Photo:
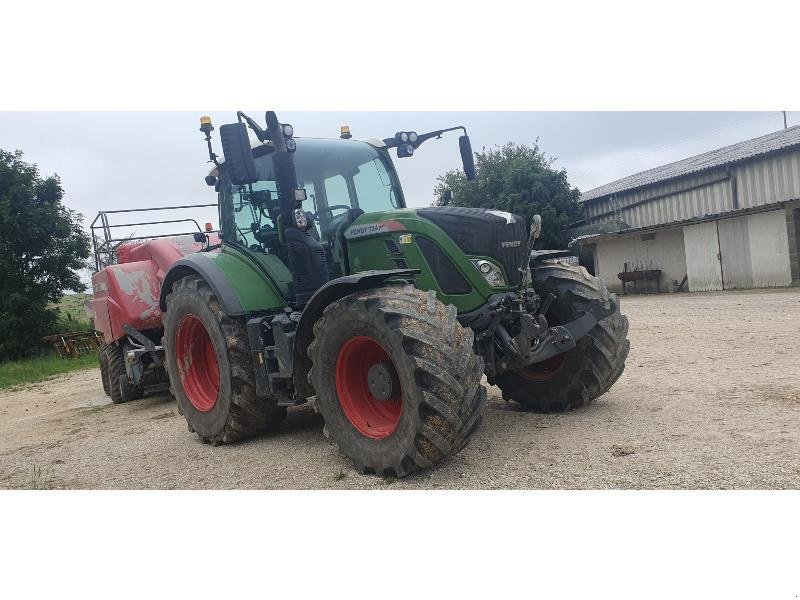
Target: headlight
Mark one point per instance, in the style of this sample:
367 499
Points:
412 136
405 150
291 145
402 136
288 130
491 272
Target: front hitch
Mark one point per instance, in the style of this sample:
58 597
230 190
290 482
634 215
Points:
554 340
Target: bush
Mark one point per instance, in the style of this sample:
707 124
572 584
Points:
66 323
521 180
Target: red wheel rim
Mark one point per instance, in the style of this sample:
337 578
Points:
376 419
197 363
545 370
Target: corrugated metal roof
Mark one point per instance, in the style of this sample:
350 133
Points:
772 142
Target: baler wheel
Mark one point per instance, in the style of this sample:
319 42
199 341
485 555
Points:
121 389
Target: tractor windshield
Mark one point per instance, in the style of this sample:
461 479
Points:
342 173
337 174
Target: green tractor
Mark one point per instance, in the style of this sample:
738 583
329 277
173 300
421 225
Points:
323 286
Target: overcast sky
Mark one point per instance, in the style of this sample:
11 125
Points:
122 160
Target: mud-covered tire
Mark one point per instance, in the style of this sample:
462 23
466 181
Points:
236 413
104 370
155 376
587 371
442 399
121 389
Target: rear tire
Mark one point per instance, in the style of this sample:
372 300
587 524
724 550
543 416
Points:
210 367
437 401
121 389
584 373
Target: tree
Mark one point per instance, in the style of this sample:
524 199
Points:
521 180
42 245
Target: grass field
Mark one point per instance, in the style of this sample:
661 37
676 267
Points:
72 304
38 369
72 316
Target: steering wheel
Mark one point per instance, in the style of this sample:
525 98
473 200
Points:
330 210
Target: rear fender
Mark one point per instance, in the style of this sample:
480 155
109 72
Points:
240 286
211 274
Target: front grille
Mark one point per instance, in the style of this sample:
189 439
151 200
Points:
392 247
480 232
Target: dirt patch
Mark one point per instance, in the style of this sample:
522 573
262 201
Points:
710 399
620 451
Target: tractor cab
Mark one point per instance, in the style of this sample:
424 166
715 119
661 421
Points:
342 179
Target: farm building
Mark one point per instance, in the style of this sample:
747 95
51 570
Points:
725 219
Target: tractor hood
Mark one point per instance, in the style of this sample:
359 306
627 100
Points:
483 232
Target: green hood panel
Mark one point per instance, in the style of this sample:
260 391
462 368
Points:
373 237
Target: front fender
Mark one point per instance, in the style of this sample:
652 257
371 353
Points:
327 294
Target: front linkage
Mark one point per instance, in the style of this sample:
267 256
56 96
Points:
512 331
515 323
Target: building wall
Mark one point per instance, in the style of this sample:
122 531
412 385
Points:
764 180
677 200
665 252
774 178
733 253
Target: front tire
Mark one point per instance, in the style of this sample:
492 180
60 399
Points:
210 368
405 340
586 372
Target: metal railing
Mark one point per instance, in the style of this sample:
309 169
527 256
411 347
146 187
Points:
105 244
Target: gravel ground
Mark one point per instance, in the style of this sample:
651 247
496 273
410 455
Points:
710 399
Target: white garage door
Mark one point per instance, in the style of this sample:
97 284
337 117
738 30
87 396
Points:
702 257
741 252
734 245
769 249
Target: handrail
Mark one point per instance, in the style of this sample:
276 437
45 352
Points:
102 243
158 223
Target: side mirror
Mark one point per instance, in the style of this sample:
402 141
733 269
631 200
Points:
238 155
467 158
199 237
447 197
